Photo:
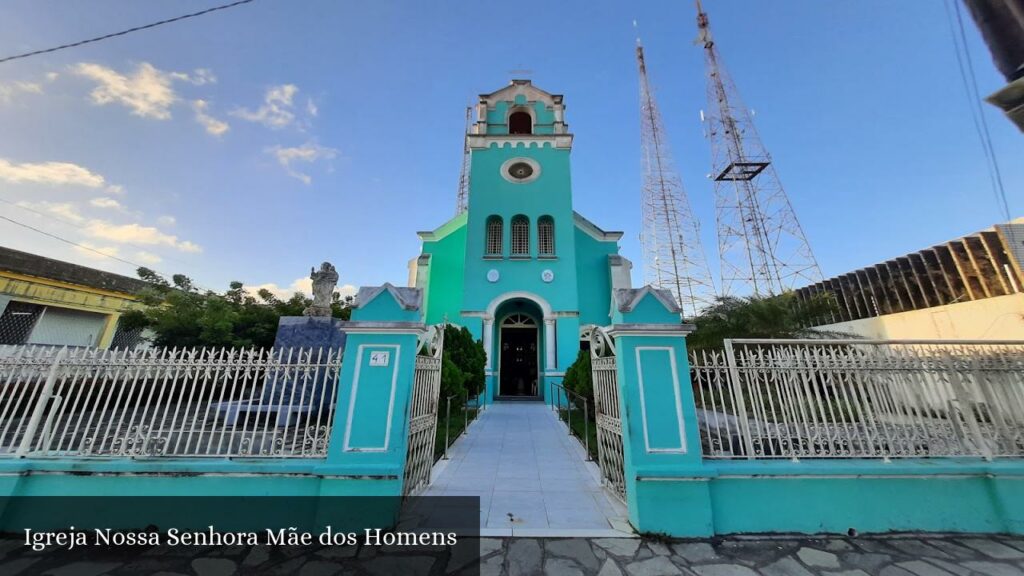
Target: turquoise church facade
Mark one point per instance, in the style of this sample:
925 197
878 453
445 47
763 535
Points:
519 267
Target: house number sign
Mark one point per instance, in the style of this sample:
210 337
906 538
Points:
379 358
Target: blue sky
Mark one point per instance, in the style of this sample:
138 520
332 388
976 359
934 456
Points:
253 143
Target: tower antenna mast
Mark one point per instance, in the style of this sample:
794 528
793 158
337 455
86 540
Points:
462 199
761 245
673 256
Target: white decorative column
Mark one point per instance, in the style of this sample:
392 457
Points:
549 344
488 338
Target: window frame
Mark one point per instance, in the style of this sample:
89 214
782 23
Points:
494 224
519 232
548 222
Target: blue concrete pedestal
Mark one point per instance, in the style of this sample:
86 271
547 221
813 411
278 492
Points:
309 332
292 396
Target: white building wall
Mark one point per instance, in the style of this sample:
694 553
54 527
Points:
997 318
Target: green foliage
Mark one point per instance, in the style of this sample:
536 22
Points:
579 378
462 363
780 316
180 315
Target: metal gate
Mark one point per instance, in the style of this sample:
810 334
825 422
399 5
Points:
419 459
609 419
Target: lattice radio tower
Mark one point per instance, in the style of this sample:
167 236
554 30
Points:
673 256
462 199
761 245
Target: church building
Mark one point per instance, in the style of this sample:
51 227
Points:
520 268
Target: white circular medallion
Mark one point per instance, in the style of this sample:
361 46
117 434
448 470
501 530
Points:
493 275
547 275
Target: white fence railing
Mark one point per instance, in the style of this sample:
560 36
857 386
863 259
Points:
426 391
195 402
610 448
860 399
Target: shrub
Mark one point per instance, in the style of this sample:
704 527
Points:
579 378
462 363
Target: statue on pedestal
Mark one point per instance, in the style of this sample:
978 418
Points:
324 282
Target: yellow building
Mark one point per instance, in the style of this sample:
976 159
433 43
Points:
46 301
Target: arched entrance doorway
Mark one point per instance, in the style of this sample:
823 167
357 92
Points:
519 349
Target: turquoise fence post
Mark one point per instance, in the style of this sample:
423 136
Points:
667 488
368 443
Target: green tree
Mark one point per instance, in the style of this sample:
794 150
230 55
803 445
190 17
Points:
179 314
462 363
779 316
579 378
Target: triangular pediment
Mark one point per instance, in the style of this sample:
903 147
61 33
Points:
524 88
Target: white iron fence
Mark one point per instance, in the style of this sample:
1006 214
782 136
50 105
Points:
610 455
860 399
195 402
426 390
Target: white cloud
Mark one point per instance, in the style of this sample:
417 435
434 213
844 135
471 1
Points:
106 202
213 126
54 173
276 111
147 92
64 210
138 234
11 89
199 77
51 76
302 285
147 257
115 189
89 250
307 153
311 108
167 220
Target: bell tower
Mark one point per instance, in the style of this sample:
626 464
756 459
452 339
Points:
520 219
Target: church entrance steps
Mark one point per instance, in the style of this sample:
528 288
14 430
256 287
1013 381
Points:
518 399
531 476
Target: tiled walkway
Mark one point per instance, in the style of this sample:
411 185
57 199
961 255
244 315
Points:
530 475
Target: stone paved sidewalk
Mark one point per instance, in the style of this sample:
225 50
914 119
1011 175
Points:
930 555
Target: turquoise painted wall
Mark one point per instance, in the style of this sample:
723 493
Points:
594 278
443 285
548 195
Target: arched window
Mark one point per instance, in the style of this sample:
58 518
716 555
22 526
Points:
495 231
520 123
518 321
520 236
545 236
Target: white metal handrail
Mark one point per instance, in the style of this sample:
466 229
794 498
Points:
172 402
860 398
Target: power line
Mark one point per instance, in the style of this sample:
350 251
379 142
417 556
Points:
84 247
123 32
79 226
970 82
66 241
